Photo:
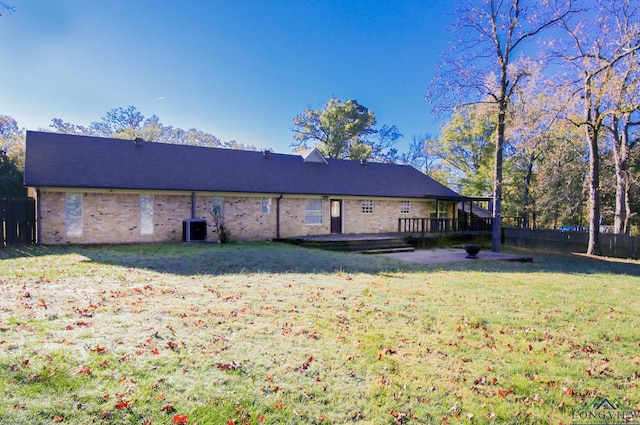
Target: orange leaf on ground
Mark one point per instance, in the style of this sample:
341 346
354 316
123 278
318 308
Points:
122 404
504 393
179 419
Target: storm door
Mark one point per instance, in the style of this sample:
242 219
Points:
336 216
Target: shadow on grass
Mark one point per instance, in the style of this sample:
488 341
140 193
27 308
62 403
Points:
264 257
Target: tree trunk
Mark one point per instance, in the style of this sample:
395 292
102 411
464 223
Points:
527 185
594 192
627 221
621 160
496 234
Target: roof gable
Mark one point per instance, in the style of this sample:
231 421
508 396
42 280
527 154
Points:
60 160
312 155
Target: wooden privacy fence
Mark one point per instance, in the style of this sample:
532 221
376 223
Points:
609 245
17 221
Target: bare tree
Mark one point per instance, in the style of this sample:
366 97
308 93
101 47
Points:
486 65
596 62
624 122
4 7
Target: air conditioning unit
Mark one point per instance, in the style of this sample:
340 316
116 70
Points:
194 229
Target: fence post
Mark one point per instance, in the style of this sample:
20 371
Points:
532 238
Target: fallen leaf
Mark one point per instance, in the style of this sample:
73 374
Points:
122 404
179 419
504 393
228 366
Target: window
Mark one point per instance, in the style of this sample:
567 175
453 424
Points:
314 211
73 204
146 214
405 207
440 211
266 205
217 205
367 206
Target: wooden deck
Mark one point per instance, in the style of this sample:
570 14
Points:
376 243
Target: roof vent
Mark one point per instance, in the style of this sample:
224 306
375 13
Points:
266 153
138 141
363 161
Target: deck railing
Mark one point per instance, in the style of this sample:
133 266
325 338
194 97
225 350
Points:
443 225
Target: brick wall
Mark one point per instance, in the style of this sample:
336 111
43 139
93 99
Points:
383 219
115 217
112 218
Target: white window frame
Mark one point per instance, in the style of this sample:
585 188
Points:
367 206
442 210
265 205
314 212
217 205
73 213
405 207
147 206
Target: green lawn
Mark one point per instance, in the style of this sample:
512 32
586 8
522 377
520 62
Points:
273 334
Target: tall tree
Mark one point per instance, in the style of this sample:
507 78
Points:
423 154
624 121
533 125
341 130
12 143
595 61
467 150
129 123
559 187
486 65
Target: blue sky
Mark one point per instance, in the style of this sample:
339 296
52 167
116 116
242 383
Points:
241 70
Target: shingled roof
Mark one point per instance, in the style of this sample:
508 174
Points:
61 160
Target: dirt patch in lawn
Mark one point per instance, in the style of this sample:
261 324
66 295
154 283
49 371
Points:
450 255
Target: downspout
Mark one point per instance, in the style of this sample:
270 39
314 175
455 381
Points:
38 215
278 216
193 205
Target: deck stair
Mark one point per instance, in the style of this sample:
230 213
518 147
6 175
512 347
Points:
362 244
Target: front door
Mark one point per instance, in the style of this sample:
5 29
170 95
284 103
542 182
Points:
336 216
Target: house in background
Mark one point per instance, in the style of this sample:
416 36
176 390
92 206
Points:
102 190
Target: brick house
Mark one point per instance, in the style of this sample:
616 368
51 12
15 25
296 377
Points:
102 190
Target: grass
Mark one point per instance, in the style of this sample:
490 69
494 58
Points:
275 334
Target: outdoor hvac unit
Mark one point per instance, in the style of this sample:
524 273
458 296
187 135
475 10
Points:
194 229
